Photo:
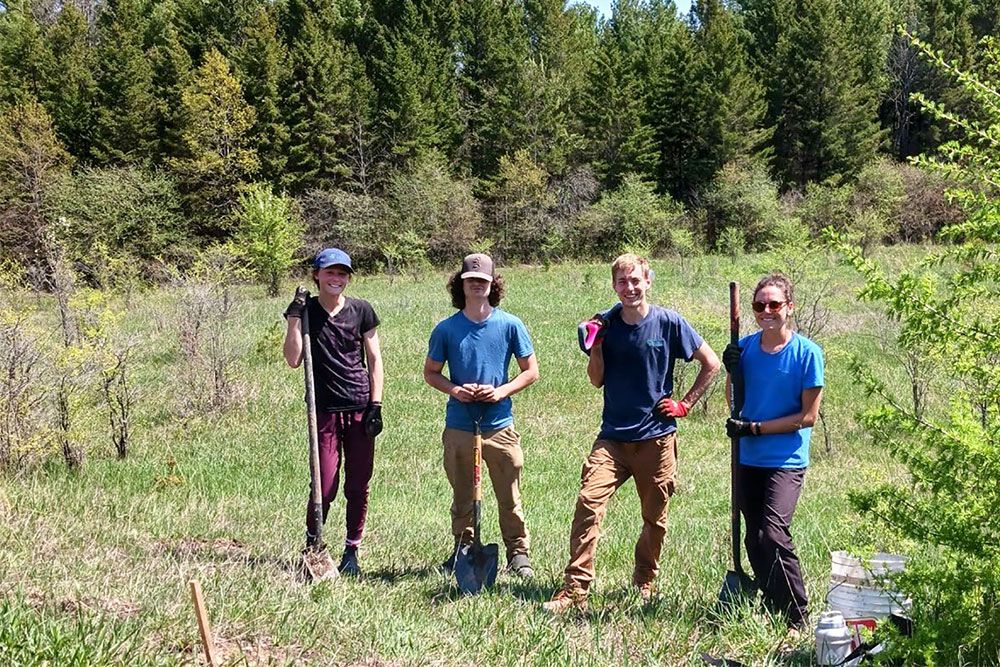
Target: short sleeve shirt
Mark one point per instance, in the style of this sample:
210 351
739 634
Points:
774 385
337 343
479 352
639 364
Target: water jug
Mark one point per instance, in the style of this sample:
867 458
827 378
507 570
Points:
833 640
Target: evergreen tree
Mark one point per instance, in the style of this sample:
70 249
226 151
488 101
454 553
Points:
316 95
171 67
219 158
615 102
261 60
25 59
126 107
71 89
494 48
413 61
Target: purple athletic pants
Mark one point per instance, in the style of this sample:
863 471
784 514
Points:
342 438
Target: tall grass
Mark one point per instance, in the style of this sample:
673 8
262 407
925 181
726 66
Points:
221 498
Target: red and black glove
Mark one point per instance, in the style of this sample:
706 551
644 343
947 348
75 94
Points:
668 408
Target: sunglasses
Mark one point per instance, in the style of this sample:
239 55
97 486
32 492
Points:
773 306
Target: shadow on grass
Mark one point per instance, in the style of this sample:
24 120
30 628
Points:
392 575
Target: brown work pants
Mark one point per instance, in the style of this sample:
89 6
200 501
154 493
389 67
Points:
653 464
504 459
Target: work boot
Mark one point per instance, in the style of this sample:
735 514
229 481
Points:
448 566
520 566
349 563
566 599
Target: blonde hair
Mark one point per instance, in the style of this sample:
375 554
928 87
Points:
627 262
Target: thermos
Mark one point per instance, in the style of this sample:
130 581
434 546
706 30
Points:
833 640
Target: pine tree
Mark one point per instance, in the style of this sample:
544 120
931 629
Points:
171 67
71 89
261 61
126 106
614 105
494 49
25 60
412 63
219 157
316 95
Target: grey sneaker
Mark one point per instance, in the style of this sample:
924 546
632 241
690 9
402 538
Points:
520 566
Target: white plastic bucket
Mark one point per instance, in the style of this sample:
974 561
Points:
858 590
850 569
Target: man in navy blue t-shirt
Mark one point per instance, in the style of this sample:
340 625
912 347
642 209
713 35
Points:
633 360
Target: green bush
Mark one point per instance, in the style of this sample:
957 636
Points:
826 205
742 196
268 232
631 218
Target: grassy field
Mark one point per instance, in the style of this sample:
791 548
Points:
94 565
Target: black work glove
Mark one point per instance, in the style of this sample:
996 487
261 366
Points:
298 304
738 428
731 358
372 419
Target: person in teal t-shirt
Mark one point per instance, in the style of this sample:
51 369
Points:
783 379
477 343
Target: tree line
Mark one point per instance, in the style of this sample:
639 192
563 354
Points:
413 127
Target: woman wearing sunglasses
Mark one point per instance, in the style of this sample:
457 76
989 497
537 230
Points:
783 379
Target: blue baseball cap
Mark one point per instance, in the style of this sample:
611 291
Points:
331 256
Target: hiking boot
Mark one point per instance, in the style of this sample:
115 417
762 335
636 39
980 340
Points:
520 566
349 563
566 600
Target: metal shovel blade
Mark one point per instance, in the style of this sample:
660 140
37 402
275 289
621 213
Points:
737 588
476 567
318 565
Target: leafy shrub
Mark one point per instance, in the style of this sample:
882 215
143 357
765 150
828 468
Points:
742 196
519 210
268 232
358 223
633 217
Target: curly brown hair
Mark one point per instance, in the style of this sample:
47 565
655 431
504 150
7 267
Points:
498 289
778 280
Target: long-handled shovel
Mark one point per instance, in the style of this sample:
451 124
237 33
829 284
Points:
475 563
317 563
738 585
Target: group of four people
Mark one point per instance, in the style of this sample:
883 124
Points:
632 357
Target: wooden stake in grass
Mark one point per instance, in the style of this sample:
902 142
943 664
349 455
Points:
203 626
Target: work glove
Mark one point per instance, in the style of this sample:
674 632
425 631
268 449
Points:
372 419
667 407
591 333
731 358
738 428
298 304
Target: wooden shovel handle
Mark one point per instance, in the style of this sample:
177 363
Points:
203 627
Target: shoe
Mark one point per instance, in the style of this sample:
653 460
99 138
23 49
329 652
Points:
566 600
349 563
520 566
646 591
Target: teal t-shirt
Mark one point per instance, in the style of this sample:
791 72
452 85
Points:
774 384
479 352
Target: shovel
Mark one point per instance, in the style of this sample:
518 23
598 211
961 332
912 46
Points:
317 564
476 564
738 585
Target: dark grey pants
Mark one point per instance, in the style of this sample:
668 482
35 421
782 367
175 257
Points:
767 499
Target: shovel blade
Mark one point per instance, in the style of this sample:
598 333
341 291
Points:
476 567
737 588
318 565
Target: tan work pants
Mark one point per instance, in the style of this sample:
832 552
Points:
504 459
653 465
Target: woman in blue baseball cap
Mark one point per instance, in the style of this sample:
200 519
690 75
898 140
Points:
347 370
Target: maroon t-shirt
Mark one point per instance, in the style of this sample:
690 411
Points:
338 352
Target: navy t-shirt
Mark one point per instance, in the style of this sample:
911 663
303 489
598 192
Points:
639 369
338 351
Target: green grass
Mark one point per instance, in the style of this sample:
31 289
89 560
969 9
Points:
96 564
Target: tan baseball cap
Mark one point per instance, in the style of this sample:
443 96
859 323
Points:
477 265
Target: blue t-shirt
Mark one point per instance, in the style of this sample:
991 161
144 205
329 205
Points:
774 384
639 369
479 352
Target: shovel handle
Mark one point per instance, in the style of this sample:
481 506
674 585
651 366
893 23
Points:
315 518
736 382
